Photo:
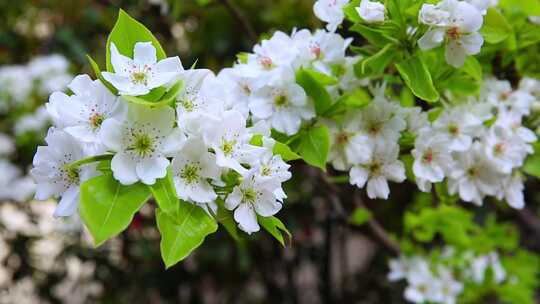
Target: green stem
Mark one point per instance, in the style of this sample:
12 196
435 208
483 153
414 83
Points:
90 159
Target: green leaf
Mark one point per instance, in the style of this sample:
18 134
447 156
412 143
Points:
125 34
373 36
350 11
496 29
285 152
376 63
314 89
164 193
360 216
180 236
97 72
417 77
256 140
473 68
275 227
315 146
354 99
322 78
107 207
168 99
226 219
532 164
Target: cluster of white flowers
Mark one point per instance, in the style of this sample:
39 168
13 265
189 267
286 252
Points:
478 146
366 143
19 86
331 12
203 140
455 23
47 241
42 75
264 84
439 282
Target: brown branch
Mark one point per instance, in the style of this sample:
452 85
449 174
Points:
241 18
378 231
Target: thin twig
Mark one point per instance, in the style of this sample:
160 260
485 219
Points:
378 231
381 235
241 18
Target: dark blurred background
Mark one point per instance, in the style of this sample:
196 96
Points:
47 260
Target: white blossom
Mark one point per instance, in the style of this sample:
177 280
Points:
383 166
254 196
456 23
371 11
143 73
192 168
54 175
331 12
82 114
142 140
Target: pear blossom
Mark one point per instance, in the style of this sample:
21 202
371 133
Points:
229 138
141 140
456 23
143 73
82 114
371 11
199 100
473 177
512 190
432 158
254 196
423 286
505 150
459 126
384 165
273 52
450 288
321 48
53 174
382 121
331 12
348 145
7 146
192 168
284 105
500 94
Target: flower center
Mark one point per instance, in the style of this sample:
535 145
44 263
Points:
428 156
266 171
266 62
498 149
281 101
453 33
70 174
96 120
342 138
143 145
375 168
315 49
139 78
473 172
227 146
190 174
249 195
374 127
187 104
453 129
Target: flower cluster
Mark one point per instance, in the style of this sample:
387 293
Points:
441 282
478 146
42 75
21 87
202 141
